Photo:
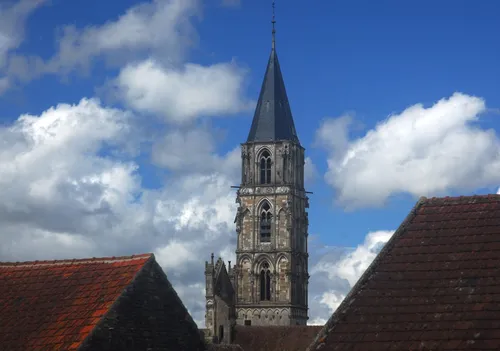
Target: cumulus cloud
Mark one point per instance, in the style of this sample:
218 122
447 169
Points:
335 270
182 95
194 150
423 151
159 27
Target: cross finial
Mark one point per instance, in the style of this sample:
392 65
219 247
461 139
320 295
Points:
274 22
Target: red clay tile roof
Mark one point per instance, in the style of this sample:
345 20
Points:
283 338
56 304
434 286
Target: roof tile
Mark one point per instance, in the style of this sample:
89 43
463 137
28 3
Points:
56 304
270 338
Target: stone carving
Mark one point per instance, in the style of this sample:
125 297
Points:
282 190
246 191
260 147
266 316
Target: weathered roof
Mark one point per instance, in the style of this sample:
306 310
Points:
434 286
269 338
273 119
56 304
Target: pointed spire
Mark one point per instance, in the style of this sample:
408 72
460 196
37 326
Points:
274 29
273 119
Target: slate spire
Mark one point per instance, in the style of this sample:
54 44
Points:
273 119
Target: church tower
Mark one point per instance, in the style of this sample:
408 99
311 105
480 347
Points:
271 271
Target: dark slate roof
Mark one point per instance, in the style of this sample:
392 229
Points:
273 119
56 304
268 338
434 286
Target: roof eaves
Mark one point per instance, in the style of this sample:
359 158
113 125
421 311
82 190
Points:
320 339
124 292
73 261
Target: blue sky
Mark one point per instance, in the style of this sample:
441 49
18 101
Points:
362 61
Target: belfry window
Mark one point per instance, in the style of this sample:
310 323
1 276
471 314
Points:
265 223
265 168
265 283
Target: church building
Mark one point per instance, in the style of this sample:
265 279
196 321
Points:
268 283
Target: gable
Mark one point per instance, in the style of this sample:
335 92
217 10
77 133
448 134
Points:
149 315
434 286
223 286
56 304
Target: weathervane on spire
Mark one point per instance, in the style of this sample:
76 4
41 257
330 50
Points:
274 22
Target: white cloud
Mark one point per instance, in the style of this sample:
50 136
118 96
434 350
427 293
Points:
174 255
353 265
13 16
335 271
332 300
310 171
421 151
12 19
194 150
182 95
160 27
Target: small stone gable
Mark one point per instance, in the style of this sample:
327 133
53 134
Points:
220 295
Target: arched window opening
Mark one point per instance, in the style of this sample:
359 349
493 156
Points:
265 168
221 333
265 223
265 283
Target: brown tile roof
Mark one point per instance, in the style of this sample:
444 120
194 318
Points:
434 286
56 304
283 338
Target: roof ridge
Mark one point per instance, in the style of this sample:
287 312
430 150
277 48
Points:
451 200
76 260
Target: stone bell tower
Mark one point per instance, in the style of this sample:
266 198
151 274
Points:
271 272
